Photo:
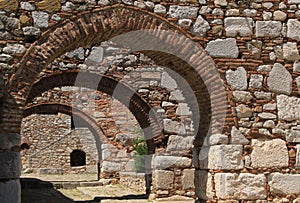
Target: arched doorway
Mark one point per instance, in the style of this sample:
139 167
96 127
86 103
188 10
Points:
89 29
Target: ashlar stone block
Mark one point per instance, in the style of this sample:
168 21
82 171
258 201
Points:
245 186
221 157
269 153
285 184
163 180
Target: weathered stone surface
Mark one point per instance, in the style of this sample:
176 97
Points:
173 127
223 48
237 79
200 27
78 53
221 2
9 140
40 19
263 153
5 58
245 186
238 26
294 1
237 137
263 95
270 107
264 68
49 5
163 180
297 164
293 135
167 81
203 185
165 162
279 15
126 139
243 111
221 157
108 166
180 143
27 6
9 5
31 31
215 139
241 96
160 9
95 57
290 51
280 80
10 165
286 184
293 29
256 81
50 171
185 23
266 115
176 95
183 11
268 28
14 49
10 191
183 110
188 176
288 108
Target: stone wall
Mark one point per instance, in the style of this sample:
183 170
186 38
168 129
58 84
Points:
255 48
51 143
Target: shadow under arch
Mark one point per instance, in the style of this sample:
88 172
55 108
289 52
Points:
145 115
85 119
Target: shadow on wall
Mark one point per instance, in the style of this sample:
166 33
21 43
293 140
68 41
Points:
38 191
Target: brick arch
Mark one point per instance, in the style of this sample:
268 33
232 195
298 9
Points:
102 24
145 115
54 108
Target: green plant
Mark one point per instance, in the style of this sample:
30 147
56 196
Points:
140 150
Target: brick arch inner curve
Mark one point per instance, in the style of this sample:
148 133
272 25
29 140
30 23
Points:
145 115
93 27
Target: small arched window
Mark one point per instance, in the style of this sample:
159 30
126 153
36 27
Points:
77 158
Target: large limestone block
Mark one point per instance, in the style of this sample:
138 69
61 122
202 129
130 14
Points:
237 79
183 11
164 162
290 51
203 185
241 26
268 28
221 157
293 135
180 143
288 108
188 176
293 29
286 184
163 180
269 153
223 48
173 127
280 80
245 186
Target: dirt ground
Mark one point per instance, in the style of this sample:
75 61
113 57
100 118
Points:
39 189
